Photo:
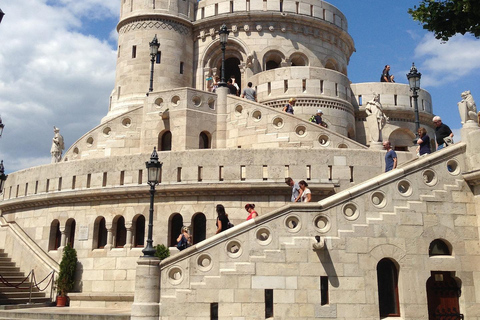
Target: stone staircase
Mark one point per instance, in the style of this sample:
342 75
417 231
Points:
12 290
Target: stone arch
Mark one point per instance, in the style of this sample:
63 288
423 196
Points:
70 226
401 139
299 59
212 59
138 229
175 224
99 233
55 237
165 140
331 64
273 59
199 227
120 232
205 140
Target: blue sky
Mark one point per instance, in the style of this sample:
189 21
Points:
57 66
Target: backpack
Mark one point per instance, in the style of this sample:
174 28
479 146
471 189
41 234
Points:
230 225
312 118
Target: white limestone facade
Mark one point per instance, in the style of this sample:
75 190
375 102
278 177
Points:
365 236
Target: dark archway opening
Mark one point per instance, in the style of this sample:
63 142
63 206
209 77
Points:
232 69
199 228
165 141
176 224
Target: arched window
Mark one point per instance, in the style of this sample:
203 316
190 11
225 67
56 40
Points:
99 233
204 140
273 59
55 235
138 227
331 64
387 279
439 247
165 141
298 60
199 231
120 235
175 228
70 231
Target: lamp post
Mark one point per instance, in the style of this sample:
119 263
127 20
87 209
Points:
223 33
3 177
1 126
154 169
154 45
414 81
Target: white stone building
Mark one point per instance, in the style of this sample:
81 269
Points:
371 245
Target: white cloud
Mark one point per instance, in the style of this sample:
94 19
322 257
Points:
447 62
52 74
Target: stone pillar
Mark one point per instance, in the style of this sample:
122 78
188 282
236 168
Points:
63 238
221 140
109 244
128 243
146 301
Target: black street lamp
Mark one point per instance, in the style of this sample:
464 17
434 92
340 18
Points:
1 126
3 177
154 45
414 81
1 15
154 169
223 33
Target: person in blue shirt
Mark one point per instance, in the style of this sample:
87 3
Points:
296 194
390 157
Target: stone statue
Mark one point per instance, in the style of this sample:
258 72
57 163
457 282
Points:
467 108
57 146
376 118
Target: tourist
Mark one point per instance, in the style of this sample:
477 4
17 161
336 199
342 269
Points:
214 86
250 207
442 131
318 118
423 142
231 88
235 85
222 219
249 93
184 239
289 107
295 189
386 77
306 193
390 157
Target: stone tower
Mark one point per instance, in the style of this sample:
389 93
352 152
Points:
140 21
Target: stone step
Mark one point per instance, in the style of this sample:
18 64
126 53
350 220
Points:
10 289
22 300
23 294
66 313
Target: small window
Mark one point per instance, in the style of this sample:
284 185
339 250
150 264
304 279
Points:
281 5
268 303
439 248
100 233
158 57
360 100
134 52
181 67
324 291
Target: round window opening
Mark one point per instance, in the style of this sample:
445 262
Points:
324 140
301 131
322 223
453 167
197 101
404 188
351 212
238 110
159 102
89 141
211 104
263 236
107 131
175 100
257 115
126 122
379 200
292 223
278 122
429 177
204 262
175 275
234 249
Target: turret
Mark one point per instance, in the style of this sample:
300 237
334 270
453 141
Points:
140 21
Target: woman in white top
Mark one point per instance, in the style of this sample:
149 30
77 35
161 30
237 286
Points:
306 193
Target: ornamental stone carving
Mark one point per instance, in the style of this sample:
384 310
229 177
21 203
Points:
467 108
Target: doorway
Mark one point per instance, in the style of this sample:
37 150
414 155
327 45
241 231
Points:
443 292
232 69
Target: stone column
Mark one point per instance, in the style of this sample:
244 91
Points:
128 243
63 239
146 301
109 244
221 140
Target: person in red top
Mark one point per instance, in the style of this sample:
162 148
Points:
250 207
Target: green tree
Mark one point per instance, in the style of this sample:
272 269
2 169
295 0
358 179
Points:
68 266
445 18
